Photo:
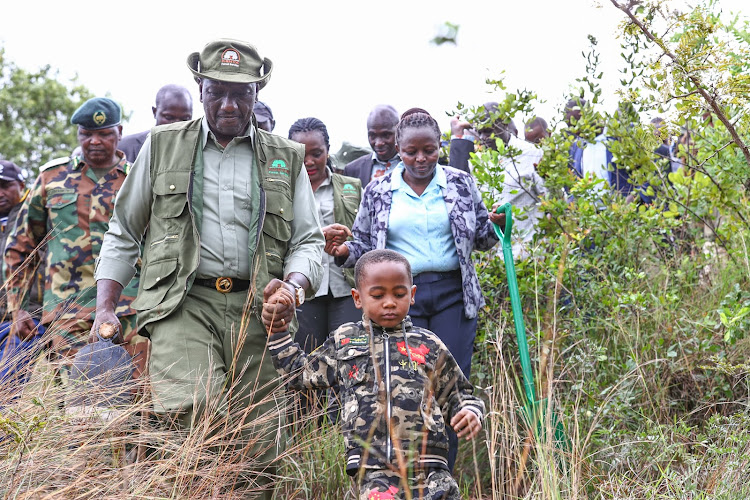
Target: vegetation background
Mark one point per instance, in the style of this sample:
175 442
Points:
637 314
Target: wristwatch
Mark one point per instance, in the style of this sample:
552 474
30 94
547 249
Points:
299 293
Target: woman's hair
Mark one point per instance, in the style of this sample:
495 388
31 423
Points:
307 125
417 118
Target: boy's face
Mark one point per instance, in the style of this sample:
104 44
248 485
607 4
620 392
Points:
385 293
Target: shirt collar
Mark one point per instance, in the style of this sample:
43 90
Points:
396 158
327 180
79 163
397 177
205 130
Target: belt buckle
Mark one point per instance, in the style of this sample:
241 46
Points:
224 285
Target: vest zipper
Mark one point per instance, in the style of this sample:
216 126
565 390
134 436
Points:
388 408
197 263
261 219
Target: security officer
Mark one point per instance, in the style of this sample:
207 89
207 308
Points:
16 354
67 212
228 216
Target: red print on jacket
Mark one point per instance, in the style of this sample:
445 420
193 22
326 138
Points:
383 495
418 354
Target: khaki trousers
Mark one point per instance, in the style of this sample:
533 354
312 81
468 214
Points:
211 373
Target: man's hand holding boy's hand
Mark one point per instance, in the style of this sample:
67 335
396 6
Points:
466 423
276 306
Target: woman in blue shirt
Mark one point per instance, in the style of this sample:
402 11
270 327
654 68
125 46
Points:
435 217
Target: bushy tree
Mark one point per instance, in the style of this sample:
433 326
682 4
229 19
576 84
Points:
640 302
35 110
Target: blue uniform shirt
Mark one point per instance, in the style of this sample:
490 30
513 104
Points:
418 226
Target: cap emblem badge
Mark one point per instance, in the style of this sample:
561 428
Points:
230 57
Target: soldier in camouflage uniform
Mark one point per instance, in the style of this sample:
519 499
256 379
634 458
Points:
66 213
400 385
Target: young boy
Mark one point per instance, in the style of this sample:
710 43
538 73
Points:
399 384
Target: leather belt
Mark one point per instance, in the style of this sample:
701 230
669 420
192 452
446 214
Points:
432 276
224 284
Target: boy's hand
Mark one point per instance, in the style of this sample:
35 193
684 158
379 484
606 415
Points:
275 308
466 423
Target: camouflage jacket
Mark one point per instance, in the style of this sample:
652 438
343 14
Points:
406 373
68 208
34 304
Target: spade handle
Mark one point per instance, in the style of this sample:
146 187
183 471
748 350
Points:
107 331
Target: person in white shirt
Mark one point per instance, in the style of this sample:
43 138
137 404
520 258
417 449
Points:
522 186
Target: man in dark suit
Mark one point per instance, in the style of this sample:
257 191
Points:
381 133
173 104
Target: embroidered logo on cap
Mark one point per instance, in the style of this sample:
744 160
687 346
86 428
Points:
99 117
230 57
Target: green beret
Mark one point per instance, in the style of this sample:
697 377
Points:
97 113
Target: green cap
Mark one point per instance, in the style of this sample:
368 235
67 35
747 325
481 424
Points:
232 61
97 113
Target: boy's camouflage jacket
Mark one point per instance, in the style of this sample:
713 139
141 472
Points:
406 373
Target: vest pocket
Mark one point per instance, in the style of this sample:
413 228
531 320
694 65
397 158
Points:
170 194
277 229
351 205
279 215
156 280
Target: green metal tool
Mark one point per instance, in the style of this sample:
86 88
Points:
534 409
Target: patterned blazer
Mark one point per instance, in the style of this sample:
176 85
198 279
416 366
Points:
468 217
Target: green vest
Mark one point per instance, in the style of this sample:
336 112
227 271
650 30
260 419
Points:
172 246
347 194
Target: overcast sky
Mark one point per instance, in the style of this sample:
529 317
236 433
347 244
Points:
334 60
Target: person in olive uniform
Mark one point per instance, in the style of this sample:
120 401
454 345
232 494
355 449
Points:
67 212
226 216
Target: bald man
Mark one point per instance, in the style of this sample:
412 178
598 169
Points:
173 104
381 134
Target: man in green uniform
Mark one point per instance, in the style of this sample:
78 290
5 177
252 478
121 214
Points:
228 216
66 214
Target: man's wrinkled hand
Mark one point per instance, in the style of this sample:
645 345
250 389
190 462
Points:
278 301
106 317
278 306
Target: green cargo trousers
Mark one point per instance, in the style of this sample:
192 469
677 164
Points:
211 374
